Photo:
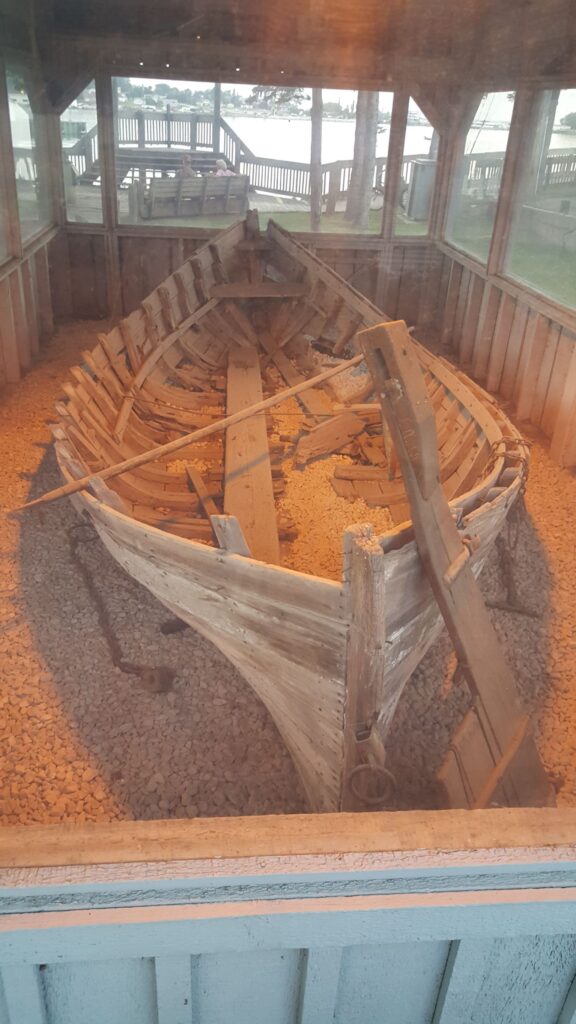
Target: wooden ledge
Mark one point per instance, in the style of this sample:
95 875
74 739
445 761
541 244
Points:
496 836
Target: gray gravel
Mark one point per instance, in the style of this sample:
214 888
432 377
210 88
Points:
82 741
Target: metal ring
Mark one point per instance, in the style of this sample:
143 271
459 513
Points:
386 777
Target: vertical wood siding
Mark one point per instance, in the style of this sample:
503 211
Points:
348 976
503 339
26 312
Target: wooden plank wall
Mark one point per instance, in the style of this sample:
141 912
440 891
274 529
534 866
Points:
516 345
26 309
450 917
145 260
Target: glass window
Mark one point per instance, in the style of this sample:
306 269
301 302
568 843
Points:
542 244
4 247
32 181
476 184
418 174
188 153
81 170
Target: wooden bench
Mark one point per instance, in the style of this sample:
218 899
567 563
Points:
193 197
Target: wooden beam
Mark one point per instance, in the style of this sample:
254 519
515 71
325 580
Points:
519 142
528 837
259 290
392 361
394 162
248 487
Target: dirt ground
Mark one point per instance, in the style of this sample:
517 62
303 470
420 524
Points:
81 740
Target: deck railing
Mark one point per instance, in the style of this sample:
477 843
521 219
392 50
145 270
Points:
146 130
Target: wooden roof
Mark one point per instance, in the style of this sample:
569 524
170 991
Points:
466 44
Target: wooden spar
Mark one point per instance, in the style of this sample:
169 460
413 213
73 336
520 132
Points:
173 446
445 556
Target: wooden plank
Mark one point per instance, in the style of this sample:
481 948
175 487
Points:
556 387
500 342
568 1012
229 534
315 401
514 350
327 437
471 316
259 290
563 447
173 975
206 499
45 314
449 313
248 490
531 356
485 331
29 299
23 994
544 375
20 320
525 838
464 976
8 341
461 304
319 989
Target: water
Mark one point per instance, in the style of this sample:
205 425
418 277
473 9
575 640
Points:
282 138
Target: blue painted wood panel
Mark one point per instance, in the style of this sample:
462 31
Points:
390 984
108 992
247 988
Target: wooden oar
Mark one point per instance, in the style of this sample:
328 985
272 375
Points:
172 446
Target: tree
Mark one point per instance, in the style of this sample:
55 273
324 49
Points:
269 96
569 121
364 161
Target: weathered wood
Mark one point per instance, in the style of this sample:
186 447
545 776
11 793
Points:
259 290
315 401
410 418
229 534
206 499
248 491
196 435
365 587
329 436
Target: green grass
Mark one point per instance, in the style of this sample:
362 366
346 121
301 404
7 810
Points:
545 268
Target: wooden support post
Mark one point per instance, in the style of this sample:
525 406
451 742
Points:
394 162
316 161
216 119
8 193
105 109
519 141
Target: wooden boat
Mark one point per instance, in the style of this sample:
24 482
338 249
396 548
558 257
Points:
327 645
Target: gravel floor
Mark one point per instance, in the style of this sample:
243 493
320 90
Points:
80 740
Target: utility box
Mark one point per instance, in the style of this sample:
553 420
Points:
420 189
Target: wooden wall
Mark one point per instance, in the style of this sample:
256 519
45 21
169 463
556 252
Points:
26 308
515 343
390 274
454 917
